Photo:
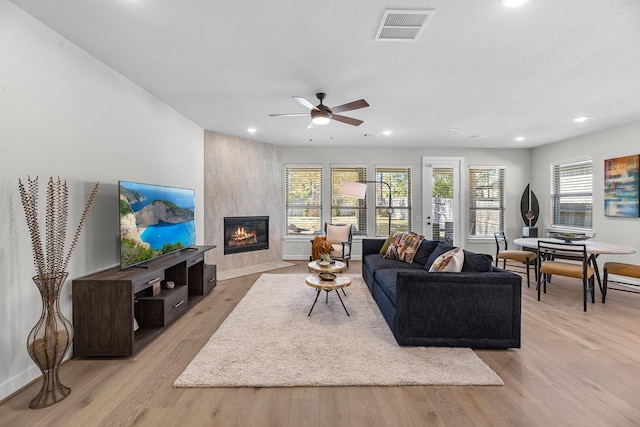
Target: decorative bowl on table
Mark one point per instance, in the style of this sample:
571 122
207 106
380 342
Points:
569 237
322 263
327 277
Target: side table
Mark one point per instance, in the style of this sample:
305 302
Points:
340 282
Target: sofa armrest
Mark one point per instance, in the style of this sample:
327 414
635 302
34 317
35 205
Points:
372 246
484 308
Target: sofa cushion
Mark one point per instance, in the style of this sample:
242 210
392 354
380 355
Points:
424 251
450 261
404 246
474 262
375 262
338 233
439 250
386 279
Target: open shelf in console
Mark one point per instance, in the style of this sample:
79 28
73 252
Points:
106 303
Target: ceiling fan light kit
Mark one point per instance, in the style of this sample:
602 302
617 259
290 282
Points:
322 115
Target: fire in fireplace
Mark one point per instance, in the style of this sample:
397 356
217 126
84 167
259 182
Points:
245 233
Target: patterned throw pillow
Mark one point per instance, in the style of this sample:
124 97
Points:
404 246
451 261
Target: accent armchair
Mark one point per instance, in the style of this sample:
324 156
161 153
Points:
340 236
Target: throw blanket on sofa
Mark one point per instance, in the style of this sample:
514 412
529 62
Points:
320 246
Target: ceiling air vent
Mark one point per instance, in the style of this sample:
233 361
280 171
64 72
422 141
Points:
403 25
477 136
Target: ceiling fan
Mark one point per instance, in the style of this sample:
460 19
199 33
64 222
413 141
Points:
322 115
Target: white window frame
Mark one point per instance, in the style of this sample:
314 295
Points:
382 194
360 175
473 200
302 205
555 194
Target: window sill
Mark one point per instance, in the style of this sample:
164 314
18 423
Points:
480 239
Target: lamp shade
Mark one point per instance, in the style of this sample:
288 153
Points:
353 189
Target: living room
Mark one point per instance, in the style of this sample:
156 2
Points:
65 113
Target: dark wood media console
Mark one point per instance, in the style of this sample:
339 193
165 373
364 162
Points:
105 303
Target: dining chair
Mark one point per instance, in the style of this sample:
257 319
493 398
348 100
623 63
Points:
340 236
621 269
504 253
565 259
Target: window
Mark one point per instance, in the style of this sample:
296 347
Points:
345 209
303 199
486 201
572 195
399 180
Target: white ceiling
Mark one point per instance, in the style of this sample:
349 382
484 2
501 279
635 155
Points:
478 67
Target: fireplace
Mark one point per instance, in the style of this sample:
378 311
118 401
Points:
245 233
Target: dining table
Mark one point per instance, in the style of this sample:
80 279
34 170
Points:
594 249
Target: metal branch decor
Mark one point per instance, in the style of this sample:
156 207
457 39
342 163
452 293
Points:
51 337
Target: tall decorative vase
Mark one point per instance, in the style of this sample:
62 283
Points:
49 340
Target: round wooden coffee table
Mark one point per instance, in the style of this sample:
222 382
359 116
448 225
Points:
336 267
340 282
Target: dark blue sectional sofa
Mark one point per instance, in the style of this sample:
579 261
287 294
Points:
478 307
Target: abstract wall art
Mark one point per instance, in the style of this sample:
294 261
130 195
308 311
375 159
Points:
621 186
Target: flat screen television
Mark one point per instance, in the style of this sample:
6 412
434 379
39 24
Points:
154 220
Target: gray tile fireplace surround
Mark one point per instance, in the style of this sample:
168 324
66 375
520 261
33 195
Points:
241 178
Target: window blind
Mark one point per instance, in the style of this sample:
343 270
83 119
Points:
399 178
346 209
486 201
572 195
303 202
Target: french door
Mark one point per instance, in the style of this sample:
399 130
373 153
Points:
441 199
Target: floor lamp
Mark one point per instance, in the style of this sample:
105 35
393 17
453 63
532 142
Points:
359 191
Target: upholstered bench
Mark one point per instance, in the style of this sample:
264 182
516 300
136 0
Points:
621 269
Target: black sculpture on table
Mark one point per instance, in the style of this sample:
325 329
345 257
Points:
530 210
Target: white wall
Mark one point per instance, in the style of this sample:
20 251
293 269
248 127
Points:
516 162
617 142
64 113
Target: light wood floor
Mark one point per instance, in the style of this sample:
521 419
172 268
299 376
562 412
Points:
574 369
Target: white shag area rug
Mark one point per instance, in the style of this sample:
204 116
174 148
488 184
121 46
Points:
269 341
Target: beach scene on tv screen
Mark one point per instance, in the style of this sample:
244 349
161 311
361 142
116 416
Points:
154 220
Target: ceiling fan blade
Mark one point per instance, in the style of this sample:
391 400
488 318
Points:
290 115
361 103
305 102
347 120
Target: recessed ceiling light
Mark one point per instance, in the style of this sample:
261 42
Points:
581 119
252 130
512 3
520 138
386 132
455 129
